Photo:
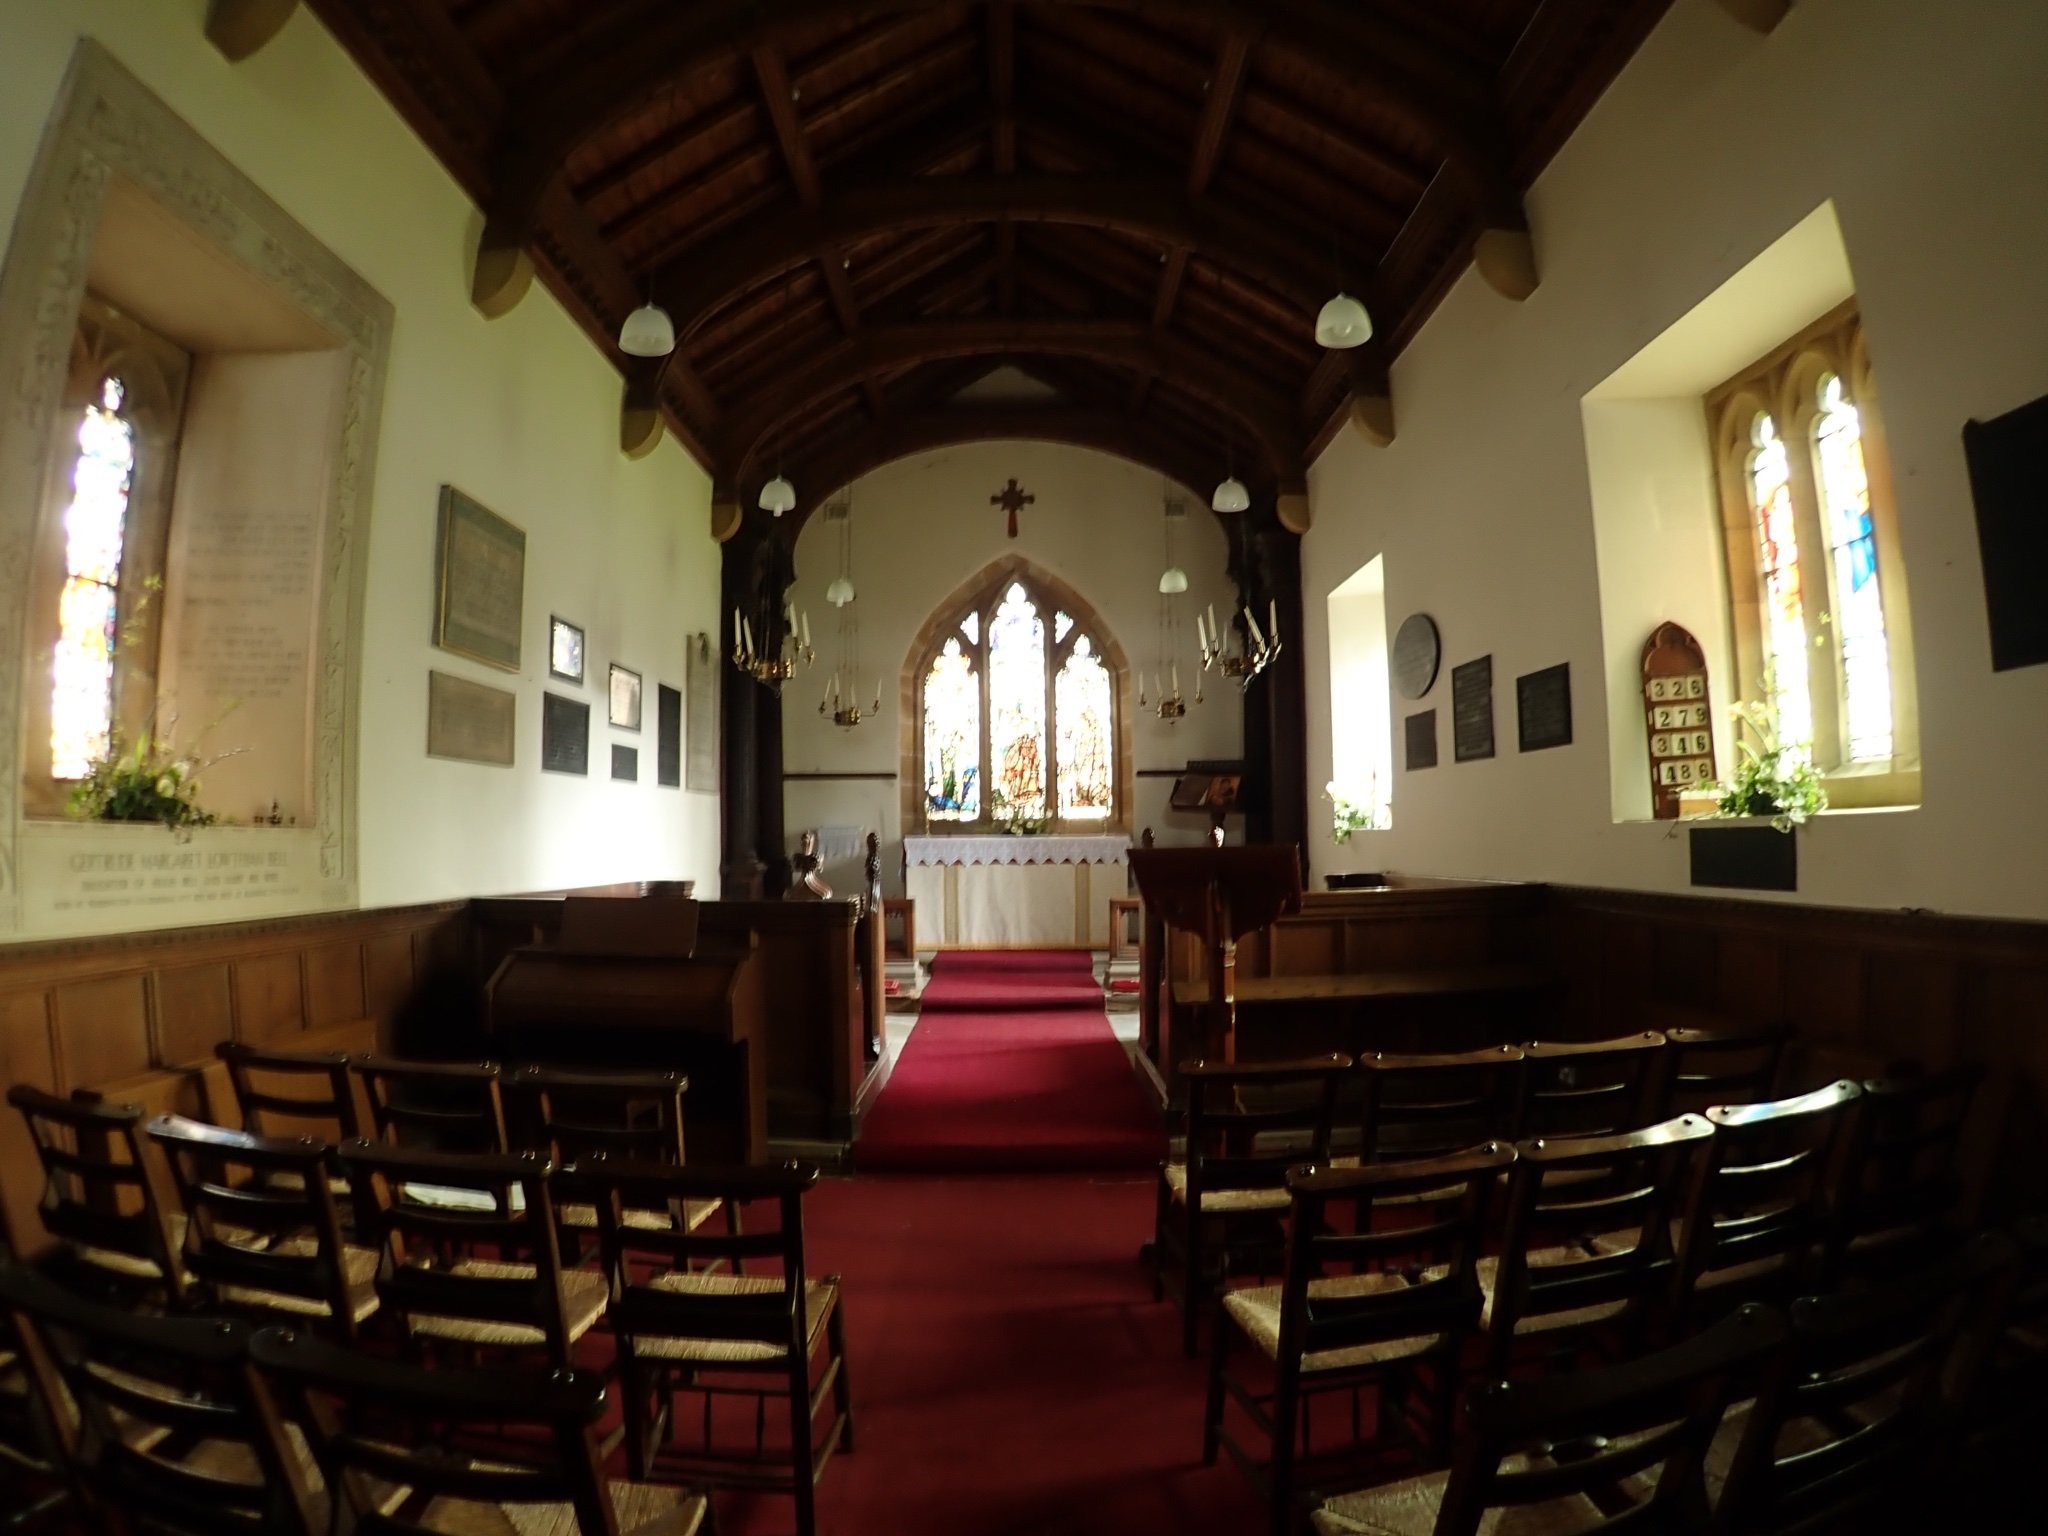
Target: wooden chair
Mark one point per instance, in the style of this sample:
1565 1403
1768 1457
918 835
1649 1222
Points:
155 1418
1848 1428
1756 1220
1588 1088
1723 1064
1394 1321
468 1253
1614 1449
1221 1206
724 1335
373 1423
33 1481
1587 1242
435 1106
1432 1106
625 1116
1901 1197
263 1227
107 1196
293 1092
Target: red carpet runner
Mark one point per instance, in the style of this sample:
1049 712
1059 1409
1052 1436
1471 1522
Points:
1012 1375
1012 1066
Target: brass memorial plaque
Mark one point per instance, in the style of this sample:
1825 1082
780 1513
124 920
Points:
470 722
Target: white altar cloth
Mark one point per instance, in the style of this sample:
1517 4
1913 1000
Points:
999 892
1038 848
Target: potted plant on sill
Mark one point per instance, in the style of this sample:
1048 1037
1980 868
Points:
1775 779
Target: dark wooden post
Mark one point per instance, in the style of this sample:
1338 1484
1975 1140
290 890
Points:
755 575
1267 564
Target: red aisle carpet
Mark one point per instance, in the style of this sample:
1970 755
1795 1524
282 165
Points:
1012 1066
1011 1374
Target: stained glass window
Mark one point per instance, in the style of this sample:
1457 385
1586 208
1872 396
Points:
1020 695
1784 609
95 526
1081 705
1858 603
952 737
1016 705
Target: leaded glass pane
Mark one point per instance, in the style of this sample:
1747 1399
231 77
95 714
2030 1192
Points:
95 523
1859 605
1784 609
952 737
1061 624
971 628
1016 703
1081 703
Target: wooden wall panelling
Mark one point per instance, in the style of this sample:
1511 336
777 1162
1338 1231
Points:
334 983
388 976
102 1027
195 1008
270 997
27 1055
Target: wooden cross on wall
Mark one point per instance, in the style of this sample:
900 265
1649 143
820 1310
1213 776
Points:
1012 498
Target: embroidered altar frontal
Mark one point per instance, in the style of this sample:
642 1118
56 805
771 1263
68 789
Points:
997 892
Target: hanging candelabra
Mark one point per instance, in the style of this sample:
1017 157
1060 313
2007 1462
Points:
775 664
1257 651
1173 584
842 707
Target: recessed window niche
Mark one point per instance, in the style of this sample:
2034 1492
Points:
1361 704
1675 536
247 522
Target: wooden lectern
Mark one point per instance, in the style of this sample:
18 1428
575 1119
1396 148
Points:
1219 894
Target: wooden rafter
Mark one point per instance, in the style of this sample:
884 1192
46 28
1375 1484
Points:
1267 418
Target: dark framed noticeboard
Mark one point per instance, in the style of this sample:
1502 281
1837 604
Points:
1543 708
564 734
1419 733
1472 710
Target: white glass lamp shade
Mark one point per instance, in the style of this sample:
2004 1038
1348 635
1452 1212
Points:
1231 496
1343 324
1173 580
840 593
778 496
648 332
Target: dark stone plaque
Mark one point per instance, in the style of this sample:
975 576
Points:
1417 653
626 764
2010 487
564 734
668 736
1543 707
1421 740
1472 710
1745 858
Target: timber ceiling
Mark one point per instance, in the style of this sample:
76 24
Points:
856 210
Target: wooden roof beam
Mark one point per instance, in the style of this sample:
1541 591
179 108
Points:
1267 418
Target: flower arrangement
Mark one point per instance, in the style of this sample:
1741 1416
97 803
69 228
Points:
149 779
1349 816
1775 779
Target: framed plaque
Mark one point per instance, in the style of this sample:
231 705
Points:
1418 652
625 698
626 763
470 722
1678 714
565 650
480 583
1472 711
1543 708
668 740
1419 737
564 734
701 753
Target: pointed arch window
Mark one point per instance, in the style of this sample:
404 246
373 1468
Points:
1017 702
1821 626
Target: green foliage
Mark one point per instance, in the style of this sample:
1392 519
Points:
1775 779
1348 816
1010 818
149 779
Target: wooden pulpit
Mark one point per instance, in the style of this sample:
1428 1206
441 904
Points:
1219 895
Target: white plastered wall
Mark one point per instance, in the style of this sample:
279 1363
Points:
921 527
1923 124
519 412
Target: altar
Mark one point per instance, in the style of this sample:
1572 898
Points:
1000 892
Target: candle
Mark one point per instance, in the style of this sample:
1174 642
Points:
835 687
747 630
1201 633
807 631
1252 624
1273 618
738 627
1215 634
1176 678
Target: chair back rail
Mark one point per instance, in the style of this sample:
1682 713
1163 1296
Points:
1248 1123
435 1105
1761 1193
636 1116
308 1090
105 1186
1847 1420
1426 1106
1705 1065
157 1418
1598 1211
1588 1088
1902 1189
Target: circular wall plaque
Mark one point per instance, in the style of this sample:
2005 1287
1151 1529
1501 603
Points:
1417 652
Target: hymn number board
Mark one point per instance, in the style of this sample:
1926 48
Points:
1678 709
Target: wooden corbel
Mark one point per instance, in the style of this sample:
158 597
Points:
238 28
